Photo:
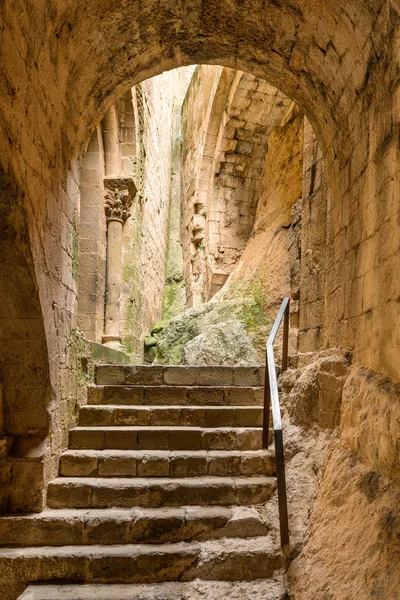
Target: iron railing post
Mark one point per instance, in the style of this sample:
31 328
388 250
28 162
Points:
281 481
267 408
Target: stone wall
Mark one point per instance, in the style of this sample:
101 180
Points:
145 234
313 246
144 121
338 60
351 547
232 327
228 116
208 89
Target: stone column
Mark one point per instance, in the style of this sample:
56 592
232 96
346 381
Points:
111 143
119 195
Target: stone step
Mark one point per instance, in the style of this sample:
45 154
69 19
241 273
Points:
165 438
88 492
164 463
62 527
228 559
175 395
270 589
187 416
178 375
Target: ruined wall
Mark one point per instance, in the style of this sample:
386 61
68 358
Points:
232 327
144 120
223 173
208 90
264 270
145 233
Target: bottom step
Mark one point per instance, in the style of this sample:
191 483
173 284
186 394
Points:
193 590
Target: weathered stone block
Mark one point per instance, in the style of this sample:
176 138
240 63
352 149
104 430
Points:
121 439
219 417
129 416
248 376
142 375
109 374
117 466
86 438
153 466
185 439
153 439
78 465
180 375
95 416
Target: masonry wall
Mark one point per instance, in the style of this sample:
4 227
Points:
223 174
90 234
313 246
145 117
145 233
208 87
339 61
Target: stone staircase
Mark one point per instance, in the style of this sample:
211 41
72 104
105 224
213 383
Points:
159 495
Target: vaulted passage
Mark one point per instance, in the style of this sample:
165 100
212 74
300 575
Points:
168 173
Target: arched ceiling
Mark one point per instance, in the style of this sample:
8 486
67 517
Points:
67 61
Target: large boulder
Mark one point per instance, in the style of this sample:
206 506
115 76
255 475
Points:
221 344
215 333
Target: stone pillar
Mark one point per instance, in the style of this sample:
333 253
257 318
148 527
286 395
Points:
111 143
119 195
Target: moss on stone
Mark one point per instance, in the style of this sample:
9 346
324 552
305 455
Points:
150 341
174 299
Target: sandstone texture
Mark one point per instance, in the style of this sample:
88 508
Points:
316 396
64 65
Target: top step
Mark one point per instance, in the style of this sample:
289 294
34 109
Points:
179 375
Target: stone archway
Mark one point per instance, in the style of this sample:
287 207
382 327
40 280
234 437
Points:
65 67
24 376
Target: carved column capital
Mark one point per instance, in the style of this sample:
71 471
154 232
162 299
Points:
119 193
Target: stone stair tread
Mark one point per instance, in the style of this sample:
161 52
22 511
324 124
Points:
272 589
179 375
58 527
159 428
166 463
87 492
231 545
93 415
227 559
137 437
114 406
163 453
159 395
175 482
189 512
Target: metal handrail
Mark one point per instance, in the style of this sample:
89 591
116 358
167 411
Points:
271 399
